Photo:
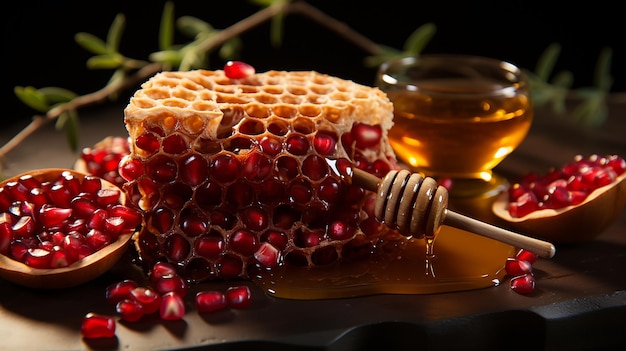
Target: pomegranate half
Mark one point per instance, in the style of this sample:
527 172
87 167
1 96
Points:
581 221
79 271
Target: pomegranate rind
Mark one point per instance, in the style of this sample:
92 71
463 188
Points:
572 224
75 274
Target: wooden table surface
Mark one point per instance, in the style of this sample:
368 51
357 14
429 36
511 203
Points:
579 304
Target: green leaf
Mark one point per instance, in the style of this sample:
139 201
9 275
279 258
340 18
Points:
276 29
170 57
231 48
547 61
68 121
91 43
31 97
55 95
108 61
563 80
265 3
117 76
591 112
114 35
387 53
192 26
602 73
419 38
166 30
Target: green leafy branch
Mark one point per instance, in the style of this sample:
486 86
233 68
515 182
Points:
62 105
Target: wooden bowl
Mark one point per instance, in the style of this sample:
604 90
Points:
573 224
75 274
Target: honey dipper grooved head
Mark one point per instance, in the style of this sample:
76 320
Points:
232 173
412 204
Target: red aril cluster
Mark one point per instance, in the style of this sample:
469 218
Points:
52 223
103 158
164 294
564 187
520 269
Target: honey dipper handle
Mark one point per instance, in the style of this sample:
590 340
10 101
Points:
540 247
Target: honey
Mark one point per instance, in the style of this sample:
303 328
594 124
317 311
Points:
463 261
458 137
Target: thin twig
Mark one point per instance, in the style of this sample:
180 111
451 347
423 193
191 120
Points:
77 103
340 28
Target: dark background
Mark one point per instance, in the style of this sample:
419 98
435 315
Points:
39 49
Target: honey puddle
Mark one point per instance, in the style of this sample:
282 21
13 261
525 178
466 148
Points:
463 261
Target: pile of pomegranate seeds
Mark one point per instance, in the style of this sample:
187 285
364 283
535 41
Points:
164 294
564 187
52 224
102 159
520 269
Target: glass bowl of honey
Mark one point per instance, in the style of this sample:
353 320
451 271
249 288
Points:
456 117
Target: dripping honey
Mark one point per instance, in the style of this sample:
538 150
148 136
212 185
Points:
463 261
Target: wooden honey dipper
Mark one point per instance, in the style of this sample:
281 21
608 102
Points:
417 206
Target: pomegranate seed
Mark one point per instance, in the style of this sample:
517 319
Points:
325 143
366 136
238 296
177 248
97 239
244 242
129 310
315 167
267 255
210 301
194 170
148 142
447 183
119 291
108 196
271 145
210 246
238 70
276 238
525 204
526 255
130 169
53 216
5 237
60 196
172 283
225 168
97 326
150 299
24 227
255 218
161 270
59 259
174 144
339 230
38 258
228 266
91 185
515 267
523 284
172 307
18 249
297 144
256 167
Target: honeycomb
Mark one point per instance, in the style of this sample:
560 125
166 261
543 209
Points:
237 172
